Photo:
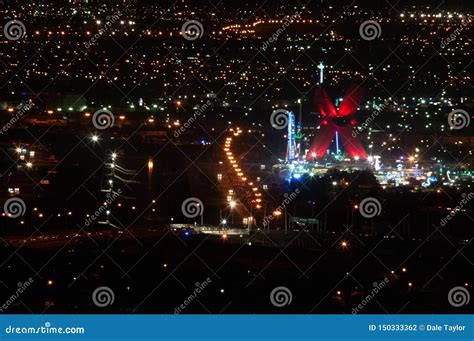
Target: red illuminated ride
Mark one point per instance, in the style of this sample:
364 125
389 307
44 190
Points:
337 123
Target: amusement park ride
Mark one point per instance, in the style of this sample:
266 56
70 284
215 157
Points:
336 125
336 146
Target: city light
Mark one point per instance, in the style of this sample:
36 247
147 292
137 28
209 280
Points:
291 127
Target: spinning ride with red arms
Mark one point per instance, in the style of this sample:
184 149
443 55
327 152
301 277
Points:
337 122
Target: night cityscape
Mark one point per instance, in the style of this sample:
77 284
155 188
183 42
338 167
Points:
236 157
